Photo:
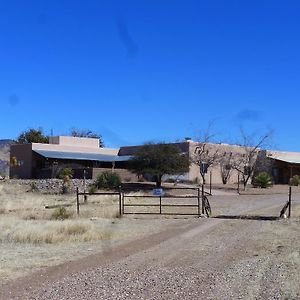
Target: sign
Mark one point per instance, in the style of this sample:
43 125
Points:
158 192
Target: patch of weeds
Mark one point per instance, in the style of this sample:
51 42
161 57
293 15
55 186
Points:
60 213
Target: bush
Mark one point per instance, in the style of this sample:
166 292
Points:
33 187
60 213
263 180
295 180
65 174
107 180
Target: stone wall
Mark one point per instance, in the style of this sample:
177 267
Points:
50 186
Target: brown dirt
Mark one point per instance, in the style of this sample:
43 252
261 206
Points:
217 258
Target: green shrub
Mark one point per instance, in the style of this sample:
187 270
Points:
295 180
65 174
60 213
263 180
107 180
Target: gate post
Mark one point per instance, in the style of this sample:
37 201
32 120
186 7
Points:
202 197
238 188
160 204
198 202
77 201
290 202
120 201
210 182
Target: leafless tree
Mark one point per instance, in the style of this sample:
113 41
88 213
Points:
245 160
75 132
205 153
226 166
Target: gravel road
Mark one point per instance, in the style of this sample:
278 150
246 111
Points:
216 258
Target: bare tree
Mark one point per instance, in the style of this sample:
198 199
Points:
245 160
226 166
205 153
86 133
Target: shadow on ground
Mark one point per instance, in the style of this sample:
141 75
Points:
245 217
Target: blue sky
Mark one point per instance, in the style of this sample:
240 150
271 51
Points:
138 71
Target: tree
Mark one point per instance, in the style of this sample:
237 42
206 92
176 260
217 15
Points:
245 160
226 166
32 136
86 133
158 160
206 154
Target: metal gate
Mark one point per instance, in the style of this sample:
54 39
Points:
187 201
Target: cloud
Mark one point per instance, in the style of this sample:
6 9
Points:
248 115
13 100
126 39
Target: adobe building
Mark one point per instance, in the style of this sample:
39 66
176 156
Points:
189 147
37 160
281 166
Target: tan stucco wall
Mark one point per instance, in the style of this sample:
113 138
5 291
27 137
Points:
53 147
215 169
23 155
74 141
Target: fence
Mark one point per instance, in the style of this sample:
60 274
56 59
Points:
162 206
201 204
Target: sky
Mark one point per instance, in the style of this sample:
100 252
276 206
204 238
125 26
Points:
151 70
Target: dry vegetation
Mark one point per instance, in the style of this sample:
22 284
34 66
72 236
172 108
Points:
31 237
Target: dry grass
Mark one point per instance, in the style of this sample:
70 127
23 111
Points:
30 239
15 230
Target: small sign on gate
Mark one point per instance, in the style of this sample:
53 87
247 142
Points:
158 192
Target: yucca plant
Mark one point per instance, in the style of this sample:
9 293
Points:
263 180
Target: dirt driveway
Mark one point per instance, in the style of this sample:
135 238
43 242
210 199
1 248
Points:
217 258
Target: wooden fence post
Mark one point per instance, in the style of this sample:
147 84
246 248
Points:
77 201
202 192
290 202
120 201
160 204
199 214
210 182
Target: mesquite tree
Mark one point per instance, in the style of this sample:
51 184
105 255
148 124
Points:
158 160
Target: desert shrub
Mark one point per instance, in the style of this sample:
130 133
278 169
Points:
263 180
66 174
33 187
295 180
60 213
107 180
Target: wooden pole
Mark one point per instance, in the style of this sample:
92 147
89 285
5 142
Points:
120 201
238 188
202 192
210 182
199 202
160 204
290 202
84 186
77 201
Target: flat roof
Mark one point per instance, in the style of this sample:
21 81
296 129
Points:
288 157
81 156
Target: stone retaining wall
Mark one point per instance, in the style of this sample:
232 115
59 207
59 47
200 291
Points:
50 186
